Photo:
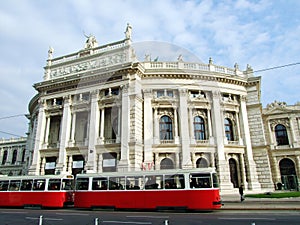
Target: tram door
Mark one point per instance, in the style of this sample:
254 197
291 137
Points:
288 174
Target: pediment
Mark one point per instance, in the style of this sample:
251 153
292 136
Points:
277 110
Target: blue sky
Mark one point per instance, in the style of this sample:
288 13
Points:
262 33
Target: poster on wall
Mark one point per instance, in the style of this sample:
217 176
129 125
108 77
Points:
109 162
50 165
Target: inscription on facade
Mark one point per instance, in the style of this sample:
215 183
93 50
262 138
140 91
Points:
89 65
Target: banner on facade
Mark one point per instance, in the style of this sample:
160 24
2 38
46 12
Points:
50 165
77 164
109 162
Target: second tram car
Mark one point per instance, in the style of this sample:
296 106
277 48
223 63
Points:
195 189
44 191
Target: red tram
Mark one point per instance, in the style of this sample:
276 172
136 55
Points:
195 189
43 191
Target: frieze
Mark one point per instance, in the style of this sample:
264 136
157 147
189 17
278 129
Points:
89 65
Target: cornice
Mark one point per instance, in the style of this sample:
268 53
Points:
208 77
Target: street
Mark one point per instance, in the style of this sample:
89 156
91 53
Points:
84 217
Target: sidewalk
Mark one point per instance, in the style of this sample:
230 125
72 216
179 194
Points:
232 202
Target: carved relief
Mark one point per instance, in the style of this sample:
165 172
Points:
284 121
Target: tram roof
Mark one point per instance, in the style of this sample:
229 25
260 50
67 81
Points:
28 177
150 172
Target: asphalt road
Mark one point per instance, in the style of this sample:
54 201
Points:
80 217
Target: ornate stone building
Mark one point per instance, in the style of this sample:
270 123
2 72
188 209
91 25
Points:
100 109
282 126
13 156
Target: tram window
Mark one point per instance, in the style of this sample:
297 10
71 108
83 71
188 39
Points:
4 185
215 180
14 185
39 185
174 181
54 184
134 183
153 182
67 184
200 181
99 183
82 184
26 185
116 183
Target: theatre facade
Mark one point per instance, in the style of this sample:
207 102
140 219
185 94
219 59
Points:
101 109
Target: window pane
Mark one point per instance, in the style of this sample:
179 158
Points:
14 185
200 181
4 185
39 185
116 183
26 185
174 181
153 182
134 183
99 183
54 184
82 184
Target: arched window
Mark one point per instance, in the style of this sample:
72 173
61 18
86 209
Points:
166 164
228 129
199 128
165 128
281 135
201 163
14 158
4 158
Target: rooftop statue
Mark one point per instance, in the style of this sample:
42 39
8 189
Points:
91 42
128 31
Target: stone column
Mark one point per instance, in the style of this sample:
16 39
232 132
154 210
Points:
210 134
238 128
47 129
219 134
148 127
42 166
125 129
184 127
102 126
191 126
64 136
176 138
242 168
72 138
293 142
156 127
70 164
40 132
93 133
253 183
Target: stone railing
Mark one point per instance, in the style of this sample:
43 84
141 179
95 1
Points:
194 66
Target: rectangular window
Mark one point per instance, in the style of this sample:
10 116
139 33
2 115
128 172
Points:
99 183
170 94
200 181
154 182
26 185
82 184
116 183
134 183
174 181
160 93
4 185
14 185
54 184
39 185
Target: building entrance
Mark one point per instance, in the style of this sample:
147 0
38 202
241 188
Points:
288 174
